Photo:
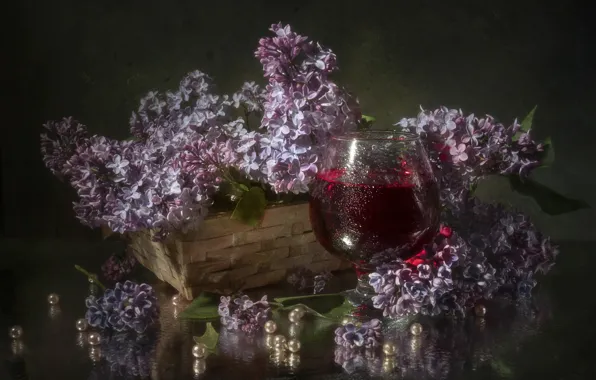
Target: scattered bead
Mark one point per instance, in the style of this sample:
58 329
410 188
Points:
199 350
294 316
416 329
294 345
15 332
300 311
176 299
389 348
480 310
270 327
94 338
91 279
81 324
53 299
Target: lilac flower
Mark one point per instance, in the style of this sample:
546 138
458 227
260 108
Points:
304 279
243 314
127 354
128 306
368 335
60 142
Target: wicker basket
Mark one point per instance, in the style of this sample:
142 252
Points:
224 255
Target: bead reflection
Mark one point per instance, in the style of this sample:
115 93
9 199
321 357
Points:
81 339
294 330
270 341
17 347
278 357
389 364
293 361
95 353
54 311
199 367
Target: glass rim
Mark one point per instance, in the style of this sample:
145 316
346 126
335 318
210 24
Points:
377 135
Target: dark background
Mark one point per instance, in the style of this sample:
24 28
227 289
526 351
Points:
94 59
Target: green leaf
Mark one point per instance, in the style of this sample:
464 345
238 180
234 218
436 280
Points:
501 368
251 207
288 300
526 124
549 200
368 119
91 276
243 187
338 313
202 308
209 338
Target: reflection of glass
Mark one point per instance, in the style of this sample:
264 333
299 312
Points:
375 191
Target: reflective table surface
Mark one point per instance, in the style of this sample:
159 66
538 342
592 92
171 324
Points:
553 337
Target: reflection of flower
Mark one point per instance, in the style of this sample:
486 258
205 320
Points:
367 335
128 306
128 354
118 266
243 314
303 278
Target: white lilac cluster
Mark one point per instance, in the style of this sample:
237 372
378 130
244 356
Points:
186 141
302 108
243 314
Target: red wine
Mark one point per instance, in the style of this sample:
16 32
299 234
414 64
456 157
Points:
357 220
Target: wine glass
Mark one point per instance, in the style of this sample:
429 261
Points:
375 191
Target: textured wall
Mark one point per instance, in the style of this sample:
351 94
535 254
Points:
94 59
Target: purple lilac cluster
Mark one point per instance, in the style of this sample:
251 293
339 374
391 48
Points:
243 314
117 266
127 307
356 361
164 177
305 279
464 148
457 270
302 108
367 335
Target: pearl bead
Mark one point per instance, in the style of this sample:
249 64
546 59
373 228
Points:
81 324
294 330
294 345
176 299
480 310
94 338
199 350
416 329
294 316
300 311
199 366
53 299
270 327
389 348
91 279
15 332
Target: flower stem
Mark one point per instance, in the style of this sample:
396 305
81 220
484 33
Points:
91 276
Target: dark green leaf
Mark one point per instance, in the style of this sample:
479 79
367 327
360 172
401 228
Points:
526 124
501 368
288 300
368 119
243 187
338 313
549 201
204 307
251 207
209 338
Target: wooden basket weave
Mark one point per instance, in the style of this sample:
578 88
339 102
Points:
224 255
